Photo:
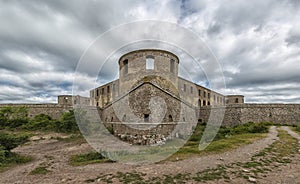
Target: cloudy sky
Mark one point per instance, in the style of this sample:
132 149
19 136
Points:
257 44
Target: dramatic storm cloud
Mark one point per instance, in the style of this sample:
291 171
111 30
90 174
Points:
257 44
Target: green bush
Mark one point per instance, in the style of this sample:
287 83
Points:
88 158
40 122
297 128
67 123
3 154
224 132
13 117
258 128
7 143
10 141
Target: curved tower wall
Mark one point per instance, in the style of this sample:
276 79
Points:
136 65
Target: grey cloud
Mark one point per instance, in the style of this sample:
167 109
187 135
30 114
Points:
293 38
250 40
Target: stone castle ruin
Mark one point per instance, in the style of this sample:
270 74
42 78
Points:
150 101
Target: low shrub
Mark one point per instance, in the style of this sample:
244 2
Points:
224 132
40 122
297 128
10 141
88 158
7 143
67 123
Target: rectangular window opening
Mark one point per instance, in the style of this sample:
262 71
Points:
146 117
125 62
149 63
172 66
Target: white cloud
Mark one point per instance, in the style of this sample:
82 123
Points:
257 43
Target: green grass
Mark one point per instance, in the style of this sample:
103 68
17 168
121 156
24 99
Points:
297 128
78 138
12 160
40 170
192 148
87 158
276 155
226 139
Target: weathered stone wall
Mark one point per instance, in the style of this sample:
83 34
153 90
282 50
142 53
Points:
166 116
243 113
136 68
53 110
277 113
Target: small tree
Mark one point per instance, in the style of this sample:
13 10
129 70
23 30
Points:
68 122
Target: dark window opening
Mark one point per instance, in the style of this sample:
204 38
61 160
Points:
112 119
184 87
192 89
146 117
236 100
102 91
170 118
204 94
114 87
97 92
204 103
97 104
125 62
199 92
172 66
124 117
199 103
108 89
208 95
208 103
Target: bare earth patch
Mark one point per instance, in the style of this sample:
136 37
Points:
51 165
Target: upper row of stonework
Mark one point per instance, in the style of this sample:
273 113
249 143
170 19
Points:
148 60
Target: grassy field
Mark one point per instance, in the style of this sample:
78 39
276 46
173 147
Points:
226 139
276 155
191 149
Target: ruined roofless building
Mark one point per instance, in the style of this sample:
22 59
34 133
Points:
149 99
140 64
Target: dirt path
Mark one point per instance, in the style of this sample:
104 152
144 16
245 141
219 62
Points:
290 173
55 155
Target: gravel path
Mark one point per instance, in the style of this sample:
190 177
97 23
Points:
55 154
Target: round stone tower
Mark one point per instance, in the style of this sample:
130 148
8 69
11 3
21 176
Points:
144 65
